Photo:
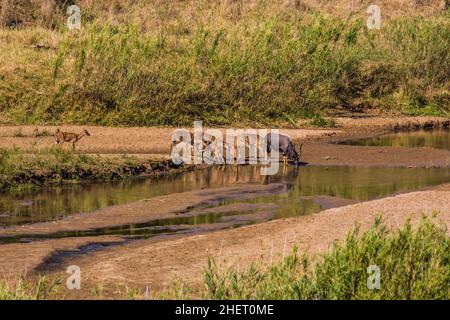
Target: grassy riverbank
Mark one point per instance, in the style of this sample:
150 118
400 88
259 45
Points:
237 64
19 170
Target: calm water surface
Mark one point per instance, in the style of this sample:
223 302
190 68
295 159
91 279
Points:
306 190
439 139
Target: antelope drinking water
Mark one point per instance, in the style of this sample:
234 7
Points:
286 148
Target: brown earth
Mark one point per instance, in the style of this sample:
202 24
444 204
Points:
106 140
158 262
23 258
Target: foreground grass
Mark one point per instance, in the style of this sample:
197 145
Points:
23 289
258 64
20 170
413 263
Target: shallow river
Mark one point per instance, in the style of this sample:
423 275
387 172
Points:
305 190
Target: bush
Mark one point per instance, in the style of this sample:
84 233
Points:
413 265
265 67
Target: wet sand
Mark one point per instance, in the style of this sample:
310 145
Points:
22 258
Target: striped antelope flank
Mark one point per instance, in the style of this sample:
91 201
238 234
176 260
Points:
230 152
61 137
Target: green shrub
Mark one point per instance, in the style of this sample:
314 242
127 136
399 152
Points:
414 264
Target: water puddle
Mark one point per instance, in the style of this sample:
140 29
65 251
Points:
188 224
439 139
57 202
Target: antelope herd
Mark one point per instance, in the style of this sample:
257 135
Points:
217 151
211 148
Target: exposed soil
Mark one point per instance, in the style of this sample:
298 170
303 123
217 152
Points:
333 154
106 140
113 170
23 258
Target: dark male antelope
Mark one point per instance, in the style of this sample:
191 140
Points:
286 148
61 137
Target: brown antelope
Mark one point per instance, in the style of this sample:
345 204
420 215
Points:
231 151
61 137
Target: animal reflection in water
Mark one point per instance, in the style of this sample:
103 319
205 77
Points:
231 174
243 149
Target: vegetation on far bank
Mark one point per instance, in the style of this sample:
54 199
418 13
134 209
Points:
413 264
234 64
20 170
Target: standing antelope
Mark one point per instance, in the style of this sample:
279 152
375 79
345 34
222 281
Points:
61 137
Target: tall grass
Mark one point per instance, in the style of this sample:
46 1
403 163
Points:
414 264
276 71
263 66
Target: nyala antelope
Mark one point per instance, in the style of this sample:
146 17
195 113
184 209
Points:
286 148
61 137
230 152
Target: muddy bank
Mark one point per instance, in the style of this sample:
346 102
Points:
324 150
46 254
107 140
159 264
364 127
158 261
306 190
319 148
23 258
